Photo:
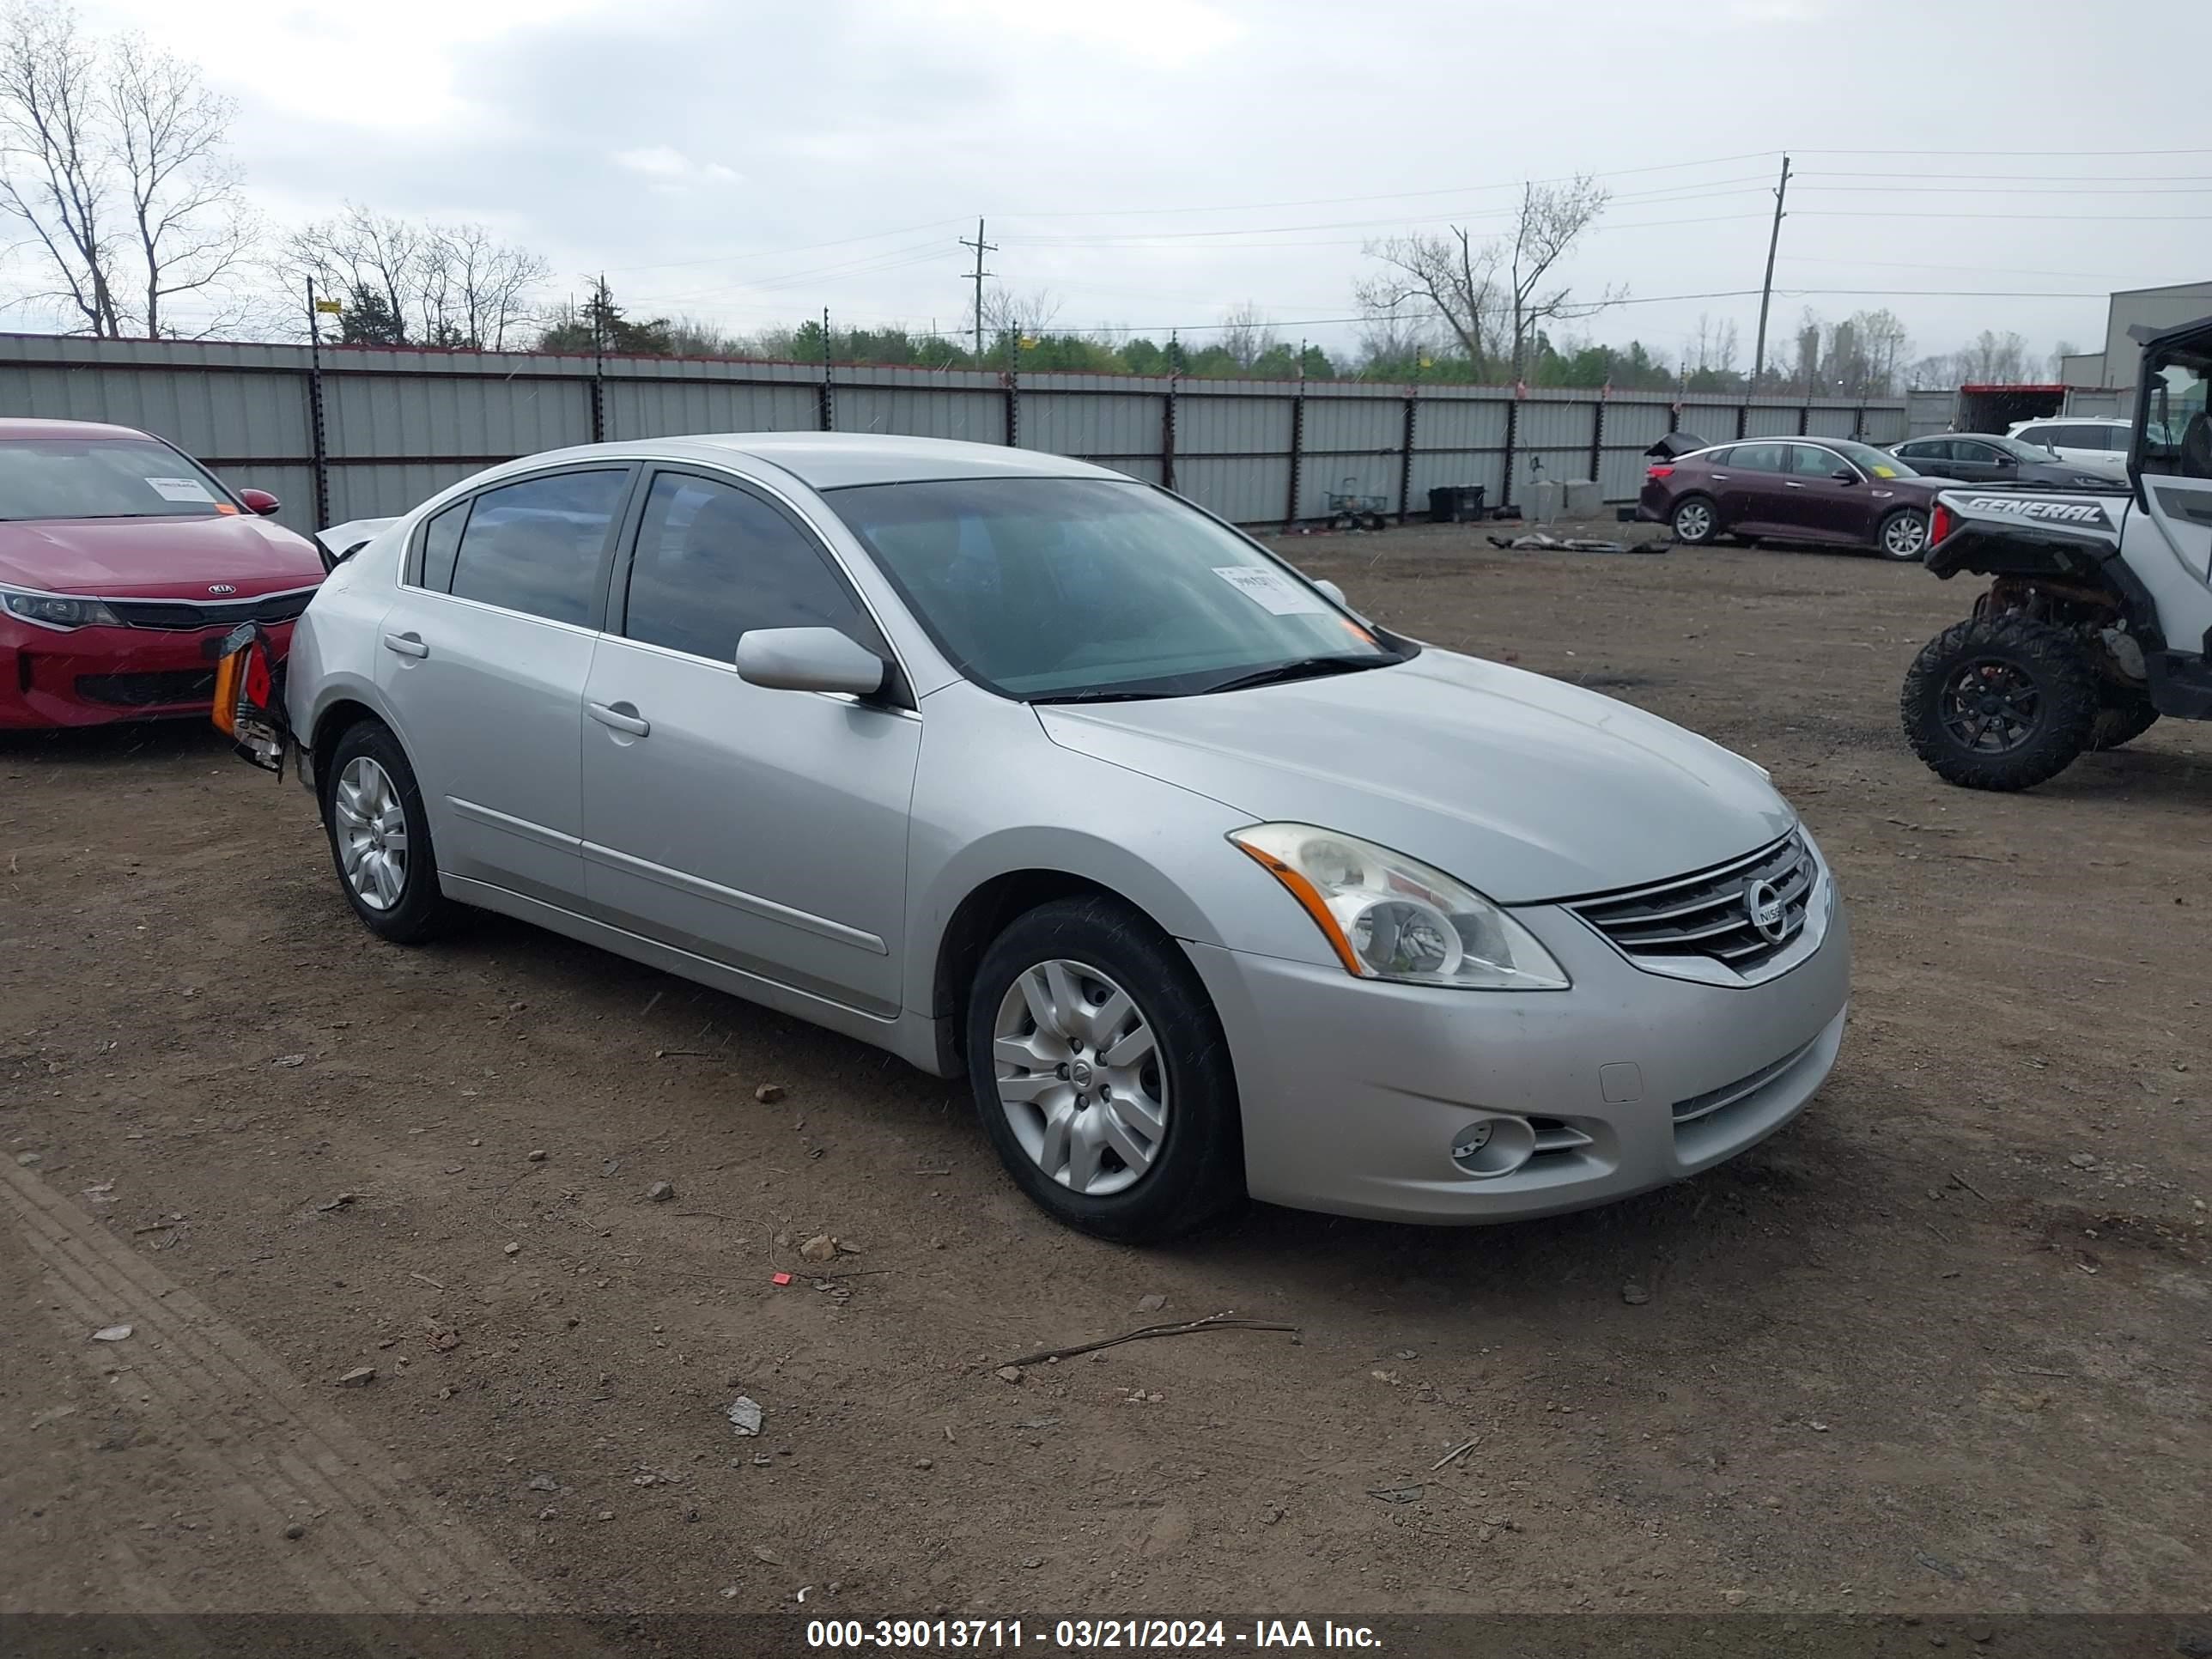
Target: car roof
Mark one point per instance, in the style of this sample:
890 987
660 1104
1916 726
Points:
837 460
1933 437
2067 420
23 426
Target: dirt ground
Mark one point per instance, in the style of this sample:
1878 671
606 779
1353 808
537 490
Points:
1940 1346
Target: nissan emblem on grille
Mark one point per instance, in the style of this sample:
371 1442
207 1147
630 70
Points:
1768 913
220 588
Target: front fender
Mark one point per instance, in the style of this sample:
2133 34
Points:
995 796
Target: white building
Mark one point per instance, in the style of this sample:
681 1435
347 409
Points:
2160 307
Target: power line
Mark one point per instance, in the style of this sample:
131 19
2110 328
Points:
2016 155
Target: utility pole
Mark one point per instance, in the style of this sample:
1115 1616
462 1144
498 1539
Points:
1766 290
981 247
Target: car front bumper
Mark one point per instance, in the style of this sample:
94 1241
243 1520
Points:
1356 1093
53 677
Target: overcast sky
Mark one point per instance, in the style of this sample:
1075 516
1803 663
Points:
1153 162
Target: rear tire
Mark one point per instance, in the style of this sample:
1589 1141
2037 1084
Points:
1695 521
372 810
2000 703
1903 537
2122 717
1102 1075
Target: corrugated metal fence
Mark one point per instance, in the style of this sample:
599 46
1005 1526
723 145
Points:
370 432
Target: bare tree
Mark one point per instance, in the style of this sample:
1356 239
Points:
1246 335
1992 359
112 156
1551 219
1022 315
1449 279
192 230
55 175
443 285
2059 354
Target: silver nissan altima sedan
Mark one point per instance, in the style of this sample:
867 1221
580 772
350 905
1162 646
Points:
1032 773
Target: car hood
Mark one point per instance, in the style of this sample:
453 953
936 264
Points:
1526 788
157 558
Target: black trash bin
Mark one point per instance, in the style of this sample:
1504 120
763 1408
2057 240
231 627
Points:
1456 504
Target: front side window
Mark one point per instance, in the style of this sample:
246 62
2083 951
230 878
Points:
104 478
538 546
1808 461
2178 435
1067 589
713 561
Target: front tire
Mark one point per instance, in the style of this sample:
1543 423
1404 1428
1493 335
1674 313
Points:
1902 536
1695 521
2000 703
381 837
1102 1075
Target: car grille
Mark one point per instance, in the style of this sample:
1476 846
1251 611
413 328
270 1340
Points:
176 615
148 691
1709 914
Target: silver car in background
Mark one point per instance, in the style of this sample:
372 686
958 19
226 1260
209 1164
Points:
1028 772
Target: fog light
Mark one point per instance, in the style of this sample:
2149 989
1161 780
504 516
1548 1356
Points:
1491 1146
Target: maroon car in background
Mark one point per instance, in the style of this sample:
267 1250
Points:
1830 491
123 563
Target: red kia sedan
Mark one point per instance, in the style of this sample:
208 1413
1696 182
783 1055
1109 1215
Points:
123 563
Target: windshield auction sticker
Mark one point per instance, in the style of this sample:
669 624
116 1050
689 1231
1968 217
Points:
1271 590
180 489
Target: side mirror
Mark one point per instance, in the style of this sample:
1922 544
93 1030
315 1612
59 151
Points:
1333 594
260 501
808 659
1844 475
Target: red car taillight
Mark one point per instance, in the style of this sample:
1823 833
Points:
1940 524
1658 470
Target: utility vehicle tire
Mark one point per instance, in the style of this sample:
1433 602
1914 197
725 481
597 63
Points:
2122 717
380 838
1999 702
1903 536
1101 1074
1695 521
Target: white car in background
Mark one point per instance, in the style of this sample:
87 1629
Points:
2095 444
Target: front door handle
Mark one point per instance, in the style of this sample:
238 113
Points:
1789 483
622 717
407 645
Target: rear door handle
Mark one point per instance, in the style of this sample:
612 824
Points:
621 719
407 645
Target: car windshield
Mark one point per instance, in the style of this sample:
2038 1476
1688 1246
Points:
1875 463
1077 589
104 478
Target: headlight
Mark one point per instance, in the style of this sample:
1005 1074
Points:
1388 916
56 611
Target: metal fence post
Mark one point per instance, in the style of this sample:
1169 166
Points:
1406 454
1013 385
1168 432
1804 419
1297 455
1742 419
1512 442
826 394
1597 438
1858 424
318 437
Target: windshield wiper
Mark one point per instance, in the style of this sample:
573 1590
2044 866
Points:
1298 668
1099 694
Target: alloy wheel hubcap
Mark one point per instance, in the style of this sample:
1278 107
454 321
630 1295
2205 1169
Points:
1079 1077
372 828
1692 523
1991 708
1906 537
